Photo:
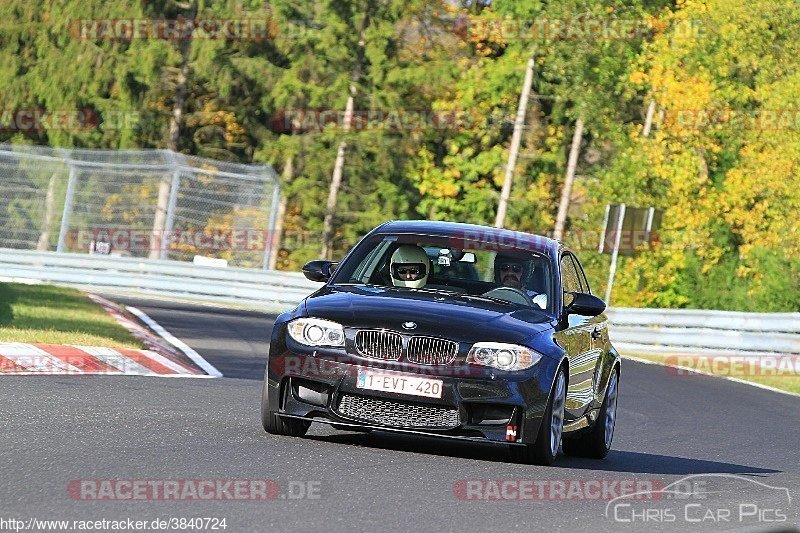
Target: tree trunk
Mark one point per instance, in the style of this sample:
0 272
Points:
49 210
566 192
338 167
287 175
648 121
181 88
516 139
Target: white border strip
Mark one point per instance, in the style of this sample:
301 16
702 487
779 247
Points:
700 372
176 342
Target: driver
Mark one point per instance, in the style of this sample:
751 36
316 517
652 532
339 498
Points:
509 272
409 267
512 272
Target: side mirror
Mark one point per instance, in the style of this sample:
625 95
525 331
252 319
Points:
319 270
584 304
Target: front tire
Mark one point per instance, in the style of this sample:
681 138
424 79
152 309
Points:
276 425
545 450
596 443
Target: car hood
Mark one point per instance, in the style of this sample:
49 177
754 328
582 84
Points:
435 314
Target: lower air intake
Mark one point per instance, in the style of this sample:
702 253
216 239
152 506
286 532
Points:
397 414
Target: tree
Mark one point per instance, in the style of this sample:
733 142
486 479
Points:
338 166
720 162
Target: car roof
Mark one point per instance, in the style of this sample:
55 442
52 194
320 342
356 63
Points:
503 237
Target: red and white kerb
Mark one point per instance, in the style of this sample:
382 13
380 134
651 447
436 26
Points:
19 358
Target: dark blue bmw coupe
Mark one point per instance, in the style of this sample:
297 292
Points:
449 330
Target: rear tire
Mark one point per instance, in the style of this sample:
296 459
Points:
596 443
276 425
545 450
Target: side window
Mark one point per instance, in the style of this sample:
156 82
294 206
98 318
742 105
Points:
569 276
582 276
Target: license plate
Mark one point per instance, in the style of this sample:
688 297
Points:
399 384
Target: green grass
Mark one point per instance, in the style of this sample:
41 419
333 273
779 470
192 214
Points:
57 315
790 383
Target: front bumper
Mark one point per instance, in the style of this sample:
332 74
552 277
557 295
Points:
477 404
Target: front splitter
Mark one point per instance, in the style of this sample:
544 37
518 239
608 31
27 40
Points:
478 440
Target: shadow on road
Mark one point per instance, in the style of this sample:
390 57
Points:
417 444
617 461
650 463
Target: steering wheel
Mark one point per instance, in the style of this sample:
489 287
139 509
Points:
510 294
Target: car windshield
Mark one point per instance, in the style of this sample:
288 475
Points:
470 270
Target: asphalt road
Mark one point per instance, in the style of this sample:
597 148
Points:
670 429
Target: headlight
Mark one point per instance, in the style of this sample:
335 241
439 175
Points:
503 356
316 332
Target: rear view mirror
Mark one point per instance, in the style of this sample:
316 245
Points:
584 304
319 270
468 257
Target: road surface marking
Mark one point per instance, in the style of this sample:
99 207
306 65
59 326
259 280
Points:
176 342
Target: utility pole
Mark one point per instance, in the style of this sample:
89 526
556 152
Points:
338 167
566 192
516 139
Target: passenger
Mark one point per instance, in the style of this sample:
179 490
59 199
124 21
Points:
409 267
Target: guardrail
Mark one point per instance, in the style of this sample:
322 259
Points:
697 331
257 289
632 330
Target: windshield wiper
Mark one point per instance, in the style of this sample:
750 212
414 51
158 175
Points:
439 291
490 299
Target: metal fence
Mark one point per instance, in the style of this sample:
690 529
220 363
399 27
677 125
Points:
138 203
